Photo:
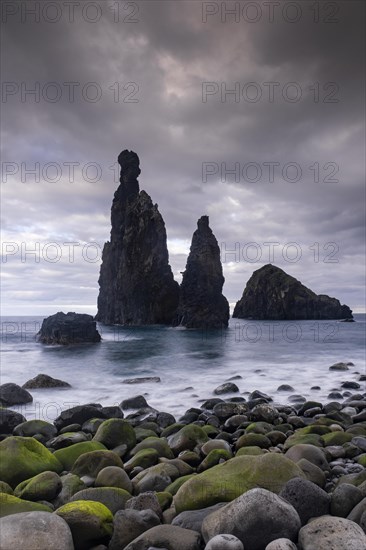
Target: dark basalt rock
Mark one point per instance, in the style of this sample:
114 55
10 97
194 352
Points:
12 394
68 328
45 381
272 294
136 282
201 302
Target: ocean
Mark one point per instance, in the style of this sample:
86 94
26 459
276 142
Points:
190 363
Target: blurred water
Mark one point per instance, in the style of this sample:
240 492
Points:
190 363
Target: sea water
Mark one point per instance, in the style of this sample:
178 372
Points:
189 363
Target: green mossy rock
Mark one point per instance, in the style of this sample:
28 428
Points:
336 438
362 460
253 440
5 488
353 479
113 497
165 499
114 432
10 504
160 444
211 431
259 428
143 433
190 457
276 437
177 484
34 427
251 450
90 464
172 429
227 481
303 439
143 458
188 438
214 457
91 523
44 486
314 429
24 457
69 455
356 430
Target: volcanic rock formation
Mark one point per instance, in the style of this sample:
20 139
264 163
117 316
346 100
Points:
201 303
136 282
68 328
272 294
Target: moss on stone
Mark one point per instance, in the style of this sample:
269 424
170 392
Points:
90 522
10 504
160 444
44 486
227 481
336 438
69 455
114 432
24 457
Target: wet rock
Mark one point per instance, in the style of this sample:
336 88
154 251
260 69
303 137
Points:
45 381
136 402
12 394
68 328
273 294
201 302
78 415
339 366
136 281
142 380
228 387
9 420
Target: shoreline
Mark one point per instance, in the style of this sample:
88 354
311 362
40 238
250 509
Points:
228 457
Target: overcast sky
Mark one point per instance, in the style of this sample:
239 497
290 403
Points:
154 77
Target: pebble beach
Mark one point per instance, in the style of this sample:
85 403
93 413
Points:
231 473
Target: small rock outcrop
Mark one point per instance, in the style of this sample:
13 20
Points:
201 302
45 381
136 282
68 328
272 294
12 394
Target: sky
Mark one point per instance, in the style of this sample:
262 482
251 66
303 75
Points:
249 112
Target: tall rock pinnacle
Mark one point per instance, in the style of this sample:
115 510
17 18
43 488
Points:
136 282
201 303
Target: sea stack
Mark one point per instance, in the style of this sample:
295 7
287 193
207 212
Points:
272 294
136 282
201 302
68 328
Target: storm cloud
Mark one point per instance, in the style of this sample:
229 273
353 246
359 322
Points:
250 112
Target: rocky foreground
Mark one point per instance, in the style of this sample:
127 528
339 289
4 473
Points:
229 475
